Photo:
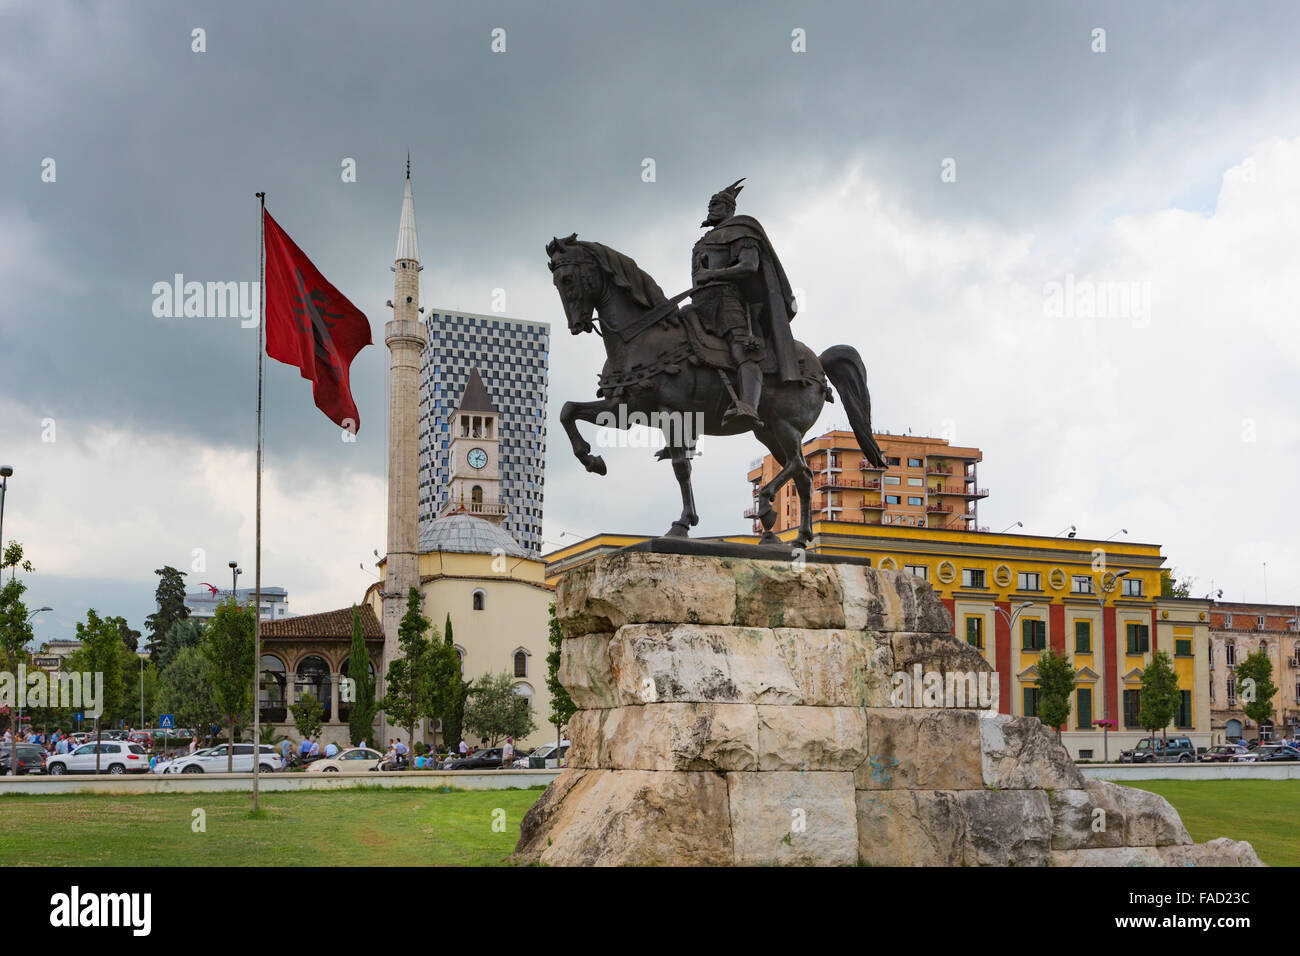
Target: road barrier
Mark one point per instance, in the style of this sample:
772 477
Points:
1121 772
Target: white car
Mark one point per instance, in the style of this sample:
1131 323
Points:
216 760
351 760
164 766
114 756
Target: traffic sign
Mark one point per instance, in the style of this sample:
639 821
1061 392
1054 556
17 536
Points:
167 721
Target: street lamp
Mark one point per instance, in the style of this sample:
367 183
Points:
1017 524
235 572
1120 531
5 472
1070 529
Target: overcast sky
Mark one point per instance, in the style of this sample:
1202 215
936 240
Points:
1167 164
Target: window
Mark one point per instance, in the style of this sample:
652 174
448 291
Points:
1183 719
1029 581
920 570
891 461
1230 655
975 631
892 500
1183 647
1033 635
1031 695
521 663
314 679
916 482
914 463
1083 637
914 500
972 578
271 693
1132 587
892 480
1132 706
1137 637
1232 691
1259 621
1227 620
480 597
1081 584
1083 708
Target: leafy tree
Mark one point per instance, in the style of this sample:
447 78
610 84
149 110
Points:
361 711
495 711
1170 586
307 713
1255 687
186 633
130 637
15 628
185 690
451 689
228 646
101 653
1055 685
409 695
562 705
170 596
1160 696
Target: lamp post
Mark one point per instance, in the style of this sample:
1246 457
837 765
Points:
5 472
18 722
1011 618
235 572
1100 593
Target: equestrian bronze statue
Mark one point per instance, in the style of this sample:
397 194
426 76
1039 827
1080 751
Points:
725 364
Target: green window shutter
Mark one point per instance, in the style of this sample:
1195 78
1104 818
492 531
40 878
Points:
1031 701
1082 637
1083 708
1130 638
1144 635
1042 635
1183 648
1184 719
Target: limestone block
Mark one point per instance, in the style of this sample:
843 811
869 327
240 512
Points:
1148 819
630 818
783 594
937 652
811 738
910 828
1077 824
1006 827
891 601
793 819
640 587
584 739
1110 856
694 663
921 749
680 736
585 672
837 668
1219 852
1019 753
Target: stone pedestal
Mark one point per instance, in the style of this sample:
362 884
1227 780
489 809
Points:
751 712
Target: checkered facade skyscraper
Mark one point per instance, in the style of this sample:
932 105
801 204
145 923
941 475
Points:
512 357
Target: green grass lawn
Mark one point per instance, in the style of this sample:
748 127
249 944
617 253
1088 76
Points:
370 827
1264 812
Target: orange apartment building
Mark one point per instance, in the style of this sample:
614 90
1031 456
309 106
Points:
926 483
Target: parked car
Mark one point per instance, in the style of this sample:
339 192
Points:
31 759
217 760
482 760
352 760
1178 750
1224 753
1276 752
143 738
114 756
546 757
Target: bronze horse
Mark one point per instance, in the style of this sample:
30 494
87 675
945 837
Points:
652 371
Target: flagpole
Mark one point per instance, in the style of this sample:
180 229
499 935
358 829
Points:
257 549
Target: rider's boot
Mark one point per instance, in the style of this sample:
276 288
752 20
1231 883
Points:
745 408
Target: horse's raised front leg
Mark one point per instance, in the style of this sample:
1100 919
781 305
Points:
570 415
682 471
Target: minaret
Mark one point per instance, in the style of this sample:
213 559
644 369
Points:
405 337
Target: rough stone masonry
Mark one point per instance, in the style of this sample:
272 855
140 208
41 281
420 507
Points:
736 711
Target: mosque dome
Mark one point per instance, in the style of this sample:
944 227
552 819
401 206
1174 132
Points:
466 534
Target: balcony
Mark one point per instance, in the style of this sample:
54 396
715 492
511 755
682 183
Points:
937 468
834 481
865 465
478 508
959 491
873 506
939 509
751 513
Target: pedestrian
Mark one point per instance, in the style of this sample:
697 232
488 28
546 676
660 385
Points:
331 749
304 748
508 754
315 747
286 751
464 747
402 753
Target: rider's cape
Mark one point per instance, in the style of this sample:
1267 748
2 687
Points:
769 290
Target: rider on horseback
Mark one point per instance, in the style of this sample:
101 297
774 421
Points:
745 296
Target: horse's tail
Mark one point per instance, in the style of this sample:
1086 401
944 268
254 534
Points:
843 366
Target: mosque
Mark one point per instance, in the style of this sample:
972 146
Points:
465 564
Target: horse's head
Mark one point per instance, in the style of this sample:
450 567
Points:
577 279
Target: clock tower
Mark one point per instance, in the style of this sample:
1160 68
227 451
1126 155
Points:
475 485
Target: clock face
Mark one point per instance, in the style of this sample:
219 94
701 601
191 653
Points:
477 458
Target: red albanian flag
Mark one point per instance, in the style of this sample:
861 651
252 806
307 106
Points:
312 325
